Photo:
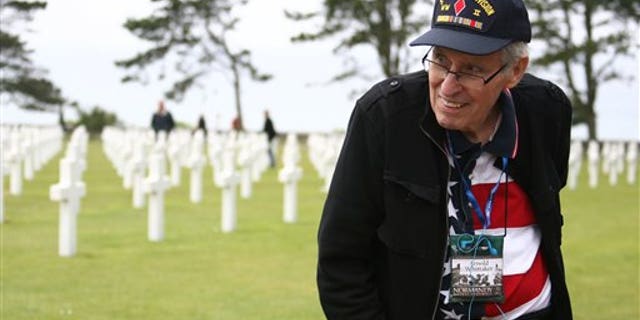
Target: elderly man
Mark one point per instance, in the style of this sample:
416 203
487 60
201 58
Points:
445 200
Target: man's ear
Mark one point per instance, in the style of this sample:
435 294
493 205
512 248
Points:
517 72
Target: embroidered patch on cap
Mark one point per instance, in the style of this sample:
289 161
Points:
474 14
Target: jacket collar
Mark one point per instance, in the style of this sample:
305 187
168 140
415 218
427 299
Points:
429 124
432 128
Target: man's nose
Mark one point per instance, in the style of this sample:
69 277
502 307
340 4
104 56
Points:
450 85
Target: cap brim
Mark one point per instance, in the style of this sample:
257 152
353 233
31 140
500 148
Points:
460 41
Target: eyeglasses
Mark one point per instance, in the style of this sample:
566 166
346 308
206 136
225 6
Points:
465 79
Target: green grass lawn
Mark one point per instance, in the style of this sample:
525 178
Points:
601 249
264 270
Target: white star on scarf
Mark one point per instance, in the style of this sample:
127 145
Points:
447 268
445 293
450 160
453 212
450 186
451 314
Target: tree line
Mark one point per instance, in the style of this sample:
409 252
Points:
582 40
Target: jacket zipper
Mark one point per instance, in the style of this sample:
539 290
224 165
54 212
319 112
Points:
444 250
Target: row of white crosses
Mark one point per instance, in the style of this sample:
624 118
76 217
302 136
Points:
245 159
119 146
69 190
575 164
155 185
323 154
136 168
611 159
237 158
129 151
223 160
25 150
614 155
178 151
140 157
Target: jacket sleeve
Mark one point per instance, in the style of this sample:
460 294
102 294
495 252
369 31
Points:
561 152
549 111
153 122
347 232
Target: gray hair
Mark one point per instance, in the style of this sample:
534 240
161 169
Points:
514 51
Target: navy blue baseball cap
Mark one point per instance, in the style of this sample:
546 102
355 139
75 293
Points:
477 27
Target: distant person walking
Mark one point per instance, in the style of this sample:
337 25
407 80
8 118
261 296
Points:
162 119
202 125
271 134
235 124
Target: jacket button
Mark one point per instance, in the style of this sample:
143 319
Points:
409 197
393 83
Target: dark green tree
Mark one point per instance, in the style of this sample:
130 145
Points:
382 25
21 81
96 119
584 38
193 35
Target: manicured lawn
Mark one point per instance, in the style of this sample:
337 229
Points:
264 270
601 248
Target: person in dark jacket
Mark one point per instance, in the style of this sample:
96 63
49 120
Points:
270 130
162 119
444 203
202 125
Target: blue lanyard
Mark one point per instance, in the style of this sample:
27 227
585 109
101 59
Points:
484 216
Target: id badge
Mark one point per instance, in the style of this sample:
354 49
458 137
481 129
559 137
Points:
476 268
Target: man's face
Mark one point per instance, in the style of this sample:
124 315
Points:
469 109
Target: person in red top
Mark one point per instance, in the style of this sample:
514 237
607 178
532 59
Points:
235 124
444 203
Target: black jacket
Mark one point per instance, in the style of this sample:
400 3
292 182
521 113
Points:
383 232
161 121
269 129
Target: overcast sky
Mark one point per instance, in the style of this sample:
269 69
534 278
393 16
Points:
79 40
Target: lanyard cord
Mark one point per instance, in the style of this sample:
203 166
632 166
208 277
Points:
483 215
506 200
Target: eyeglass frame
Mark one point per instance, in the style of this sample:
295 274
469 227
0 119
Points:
457 74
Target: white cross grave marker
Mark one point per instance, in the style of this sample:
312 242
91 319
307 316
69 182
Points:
575 162
137 165
175 157
28 150
593 156
155 185
245 162
260 155
632 161
15 164
289 176
3 169
228 179
616 162
68 192
197 162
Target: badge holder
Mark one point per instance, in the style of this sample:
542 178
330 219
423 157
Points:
476 268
